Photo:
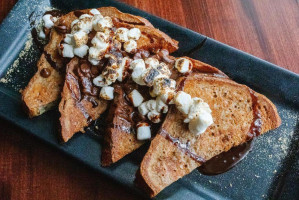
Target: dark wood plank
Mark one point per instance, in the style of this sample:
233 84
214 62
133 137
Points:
268 29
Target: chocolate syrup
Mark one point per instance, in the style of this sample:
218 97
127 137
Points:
182 146
226 160
256 125
61 29
45 72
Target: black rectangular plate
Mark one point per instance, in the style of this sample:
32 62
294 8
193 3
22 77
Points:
269 171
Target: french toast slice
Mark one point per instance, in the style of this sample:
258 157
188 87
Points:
119 138
118 142
36 100
77 110
234 108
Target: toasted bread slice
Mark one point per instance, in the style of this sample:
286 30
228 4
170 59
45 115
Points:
76 111
39 104
119 139
41 94
232 106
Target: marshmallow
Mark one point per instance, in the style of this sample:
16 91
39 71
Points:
134 34
152 62
80 38
41 34
154 116
103 23
136 98
161 106
122 68
183 102
121 34
183 65
163 68
48 21
66 50
99 81
84 24
85 16
102 36
139 69
99 43
130 46
81 51
110 74
197 106
161 86
74 22
151 104
96 53
199 124
150 75
143 131
107 93
69 39
143 110
95 12
168 96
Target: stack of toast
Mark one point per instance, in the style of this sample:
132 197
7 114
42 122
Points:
239 113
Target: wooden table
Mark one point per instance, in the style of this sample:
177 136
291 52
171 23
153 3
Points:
268 29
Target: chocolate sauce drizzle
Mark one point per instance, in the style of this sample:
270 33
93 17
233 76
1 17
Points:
256 125
182 146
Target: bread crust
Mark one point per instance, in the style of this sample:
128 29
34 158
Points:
232 111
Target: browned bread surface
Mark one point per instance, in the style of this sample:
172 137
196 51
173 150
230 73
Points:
41 93
232 111
152 38
119 139
76 111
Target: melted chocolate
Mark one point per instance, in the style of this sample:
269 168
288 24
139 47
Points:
256 125
78 13
55 13
45 72
61 29
50 61
226 160
39 43
184 147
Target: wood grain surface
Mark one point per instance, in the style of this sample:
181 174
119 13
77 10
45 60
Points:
268 29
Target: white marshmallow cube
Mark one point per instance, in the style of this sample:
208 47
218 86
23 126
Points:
183 102
107 93
136 98
99 81
81 51
67 50
121 34
47 21
143 131
130 46
183 65
134 34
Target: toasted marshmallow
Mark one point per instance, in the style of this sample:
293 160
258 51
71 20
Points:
69 39
74 22
151 104
121 34
102 36
107 93
80 38
99 44
48 21
152 62
134 33
85 16
150 75
139 69
110 74
143 109
130 46
161 106
96 53
136 98
163 68
183 102
99 81
81 51
197 106
154 116
143 131
161 86
66 50
168 96
183 65
103 23
94 12
122 68
200 123
84 24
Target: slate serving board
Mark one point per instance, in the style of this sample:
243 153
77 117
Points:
270 171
